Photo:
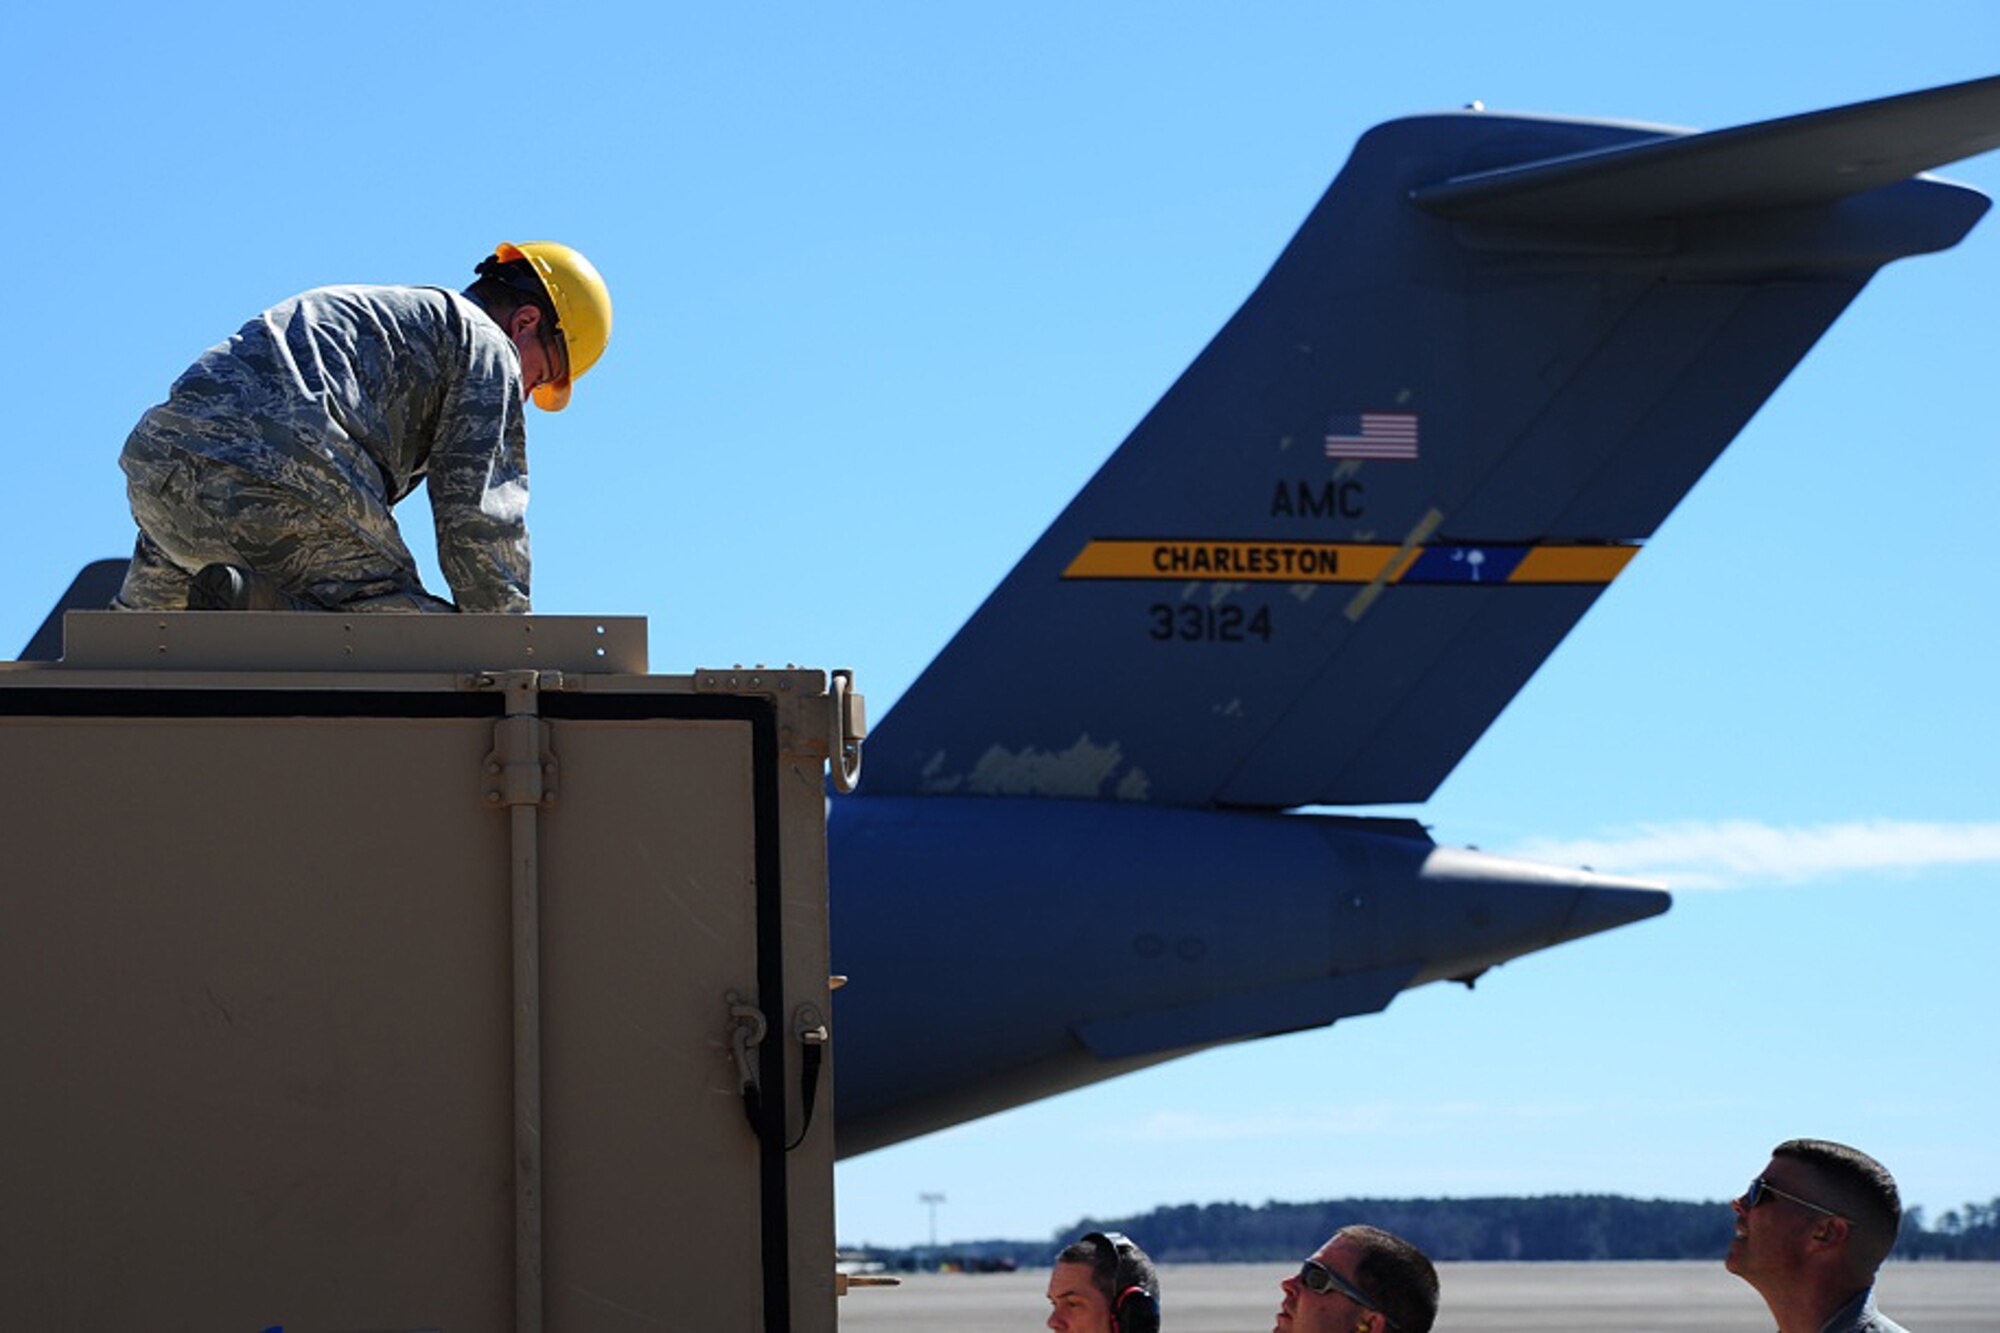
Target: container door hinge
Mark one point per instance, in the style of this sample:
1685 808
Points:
520 769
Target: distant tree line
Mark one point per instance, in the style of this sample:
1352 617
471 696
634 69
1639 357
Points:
1550 1227
1557 1227
1571 1226
1971 1232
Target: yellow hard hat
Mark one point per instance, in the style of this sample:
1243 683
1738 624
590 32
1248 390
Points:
582 304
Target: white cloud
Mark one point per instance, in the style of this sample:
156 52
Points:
1741 853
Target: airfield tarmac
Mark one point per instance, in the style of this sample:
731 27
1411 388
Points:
1605 1297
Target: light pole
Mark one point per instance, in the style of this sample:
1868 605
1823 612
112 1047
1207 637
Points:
932 1201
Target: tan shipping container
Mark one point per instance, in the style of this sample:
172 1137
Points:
397 973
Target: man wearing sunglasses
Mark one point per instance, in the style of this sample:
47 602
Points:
267 478
1811 1231
1363 1280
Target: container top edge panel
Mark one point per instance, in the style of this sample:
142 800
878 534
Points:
288 641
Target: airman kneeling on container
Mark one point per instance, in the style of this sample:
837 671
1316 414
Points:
266 479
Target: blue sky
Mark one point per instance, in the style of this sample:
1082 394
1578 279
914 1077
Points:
892 280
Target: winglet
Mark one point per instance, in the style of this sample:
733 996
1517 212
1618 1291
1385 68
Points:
1797 160
91 590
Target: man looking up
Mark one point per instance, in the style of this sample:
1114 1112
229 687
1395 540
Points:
1104 1284
1363 1280
266 479
1810 1233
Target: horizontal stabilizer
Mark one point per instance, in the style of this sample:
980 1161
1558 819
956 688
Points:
1313 1002
1013 948
1797 160
92 590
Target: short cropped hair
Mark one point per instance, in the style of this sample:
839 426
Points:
505 285
1857 1187
1397 1276
1113 1268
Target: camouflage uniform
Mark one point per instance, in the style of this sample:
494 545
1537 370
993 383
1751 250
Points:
285 447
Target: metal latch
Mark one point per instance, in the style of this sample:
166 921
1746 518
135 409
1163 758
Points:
846 729
521 768
747 1028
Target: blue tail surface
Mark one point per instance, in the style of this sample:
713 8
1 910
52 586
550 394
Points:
1496 355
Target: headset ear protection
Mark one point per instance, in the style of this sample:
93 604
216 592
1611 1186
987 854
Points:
1135 1309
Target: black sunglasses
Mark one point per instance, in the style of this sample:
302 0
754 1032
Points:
1317 1278
1760 1187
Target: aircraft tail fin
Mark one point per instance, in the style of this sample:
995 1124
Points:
1494 357
1795 161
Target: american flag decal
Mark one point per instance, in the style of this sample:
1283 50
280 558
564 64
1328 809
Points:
1376 435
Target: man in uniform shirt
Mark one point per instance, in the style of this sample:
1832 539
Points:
1810 1233
267 478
